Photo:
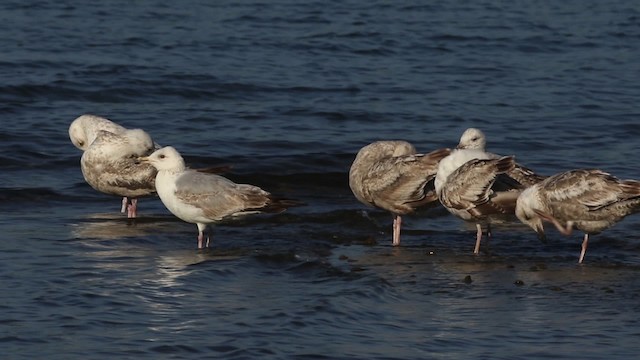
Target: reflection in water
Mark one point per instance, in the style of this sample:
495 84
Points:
158 282
109 226
171 267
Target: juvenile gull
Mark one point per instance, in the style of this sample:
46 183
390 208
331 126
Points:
480 191
204 198
474 139
479 186
109 162
390 175
589 200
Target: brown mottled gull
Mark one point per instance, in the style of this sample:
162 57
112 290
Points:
109 162
204 198
479 186
475 139
390 175
480 191
589 200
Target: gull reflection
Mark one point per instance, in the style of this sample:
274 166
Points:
110 227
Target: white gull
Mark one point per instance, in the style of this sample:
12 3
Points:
204 198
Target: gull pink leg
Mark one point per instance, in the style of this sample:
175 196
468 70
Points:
476 250
584 248
125 201
200 239
397 224
132 209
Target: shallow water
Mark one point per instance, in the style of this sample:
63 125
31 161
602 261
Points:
286 93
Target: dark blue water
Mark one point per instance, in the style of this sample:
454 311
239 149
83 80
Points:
287 92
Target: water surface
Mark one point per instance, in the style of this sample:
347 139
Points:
287 93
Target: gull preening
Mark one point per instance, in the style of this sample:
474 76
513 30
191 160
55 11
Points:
478 186
390 175
474 139
204 198
109 160
475 185
589 200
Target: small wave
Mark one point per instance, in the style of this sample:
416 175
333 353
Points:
103 90
29 195
458 38
378 51
17 339
174 349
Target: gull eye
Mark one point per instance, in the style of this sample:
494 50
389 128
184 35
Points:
161 156
80 142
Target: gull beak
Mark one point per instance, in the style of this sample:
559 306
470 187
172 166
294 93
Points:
142 159
541 235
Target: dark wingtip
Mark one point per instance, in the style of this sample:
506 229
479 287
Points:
289 202
631 187
505 164
222 169
542 237
277 205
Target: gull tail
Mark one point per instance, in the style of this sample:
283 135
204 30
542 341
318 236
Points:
276 205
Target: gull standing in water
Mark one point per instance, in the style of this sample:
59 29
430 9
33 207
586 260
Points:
203 198
589 200
478 186
390 175
109 160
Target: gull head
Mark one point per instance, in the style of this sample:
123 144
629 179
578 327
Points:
526 206
85 128
78 135
472 138
384 149
165 159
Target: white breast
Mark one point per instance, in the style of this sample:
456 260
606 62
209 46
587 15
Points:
456 159
166 188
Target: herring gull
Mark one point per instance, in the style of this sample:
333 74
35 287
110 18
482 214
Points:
390 175
589 200
474 139
109 160
478 186
203 198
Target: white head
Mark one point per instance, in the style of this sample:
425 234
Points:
166 159
84 129
527 203
472 138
